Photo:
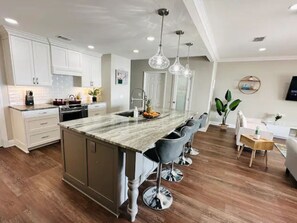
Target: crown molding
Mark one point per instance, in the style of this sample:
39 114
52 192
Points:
199 17
251 59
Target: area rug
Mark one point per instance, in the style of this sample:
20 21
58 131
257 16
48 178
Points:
282 148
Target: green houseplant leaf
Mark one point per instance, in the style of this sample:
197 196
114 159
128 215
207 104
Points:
219 104
228 95
234 104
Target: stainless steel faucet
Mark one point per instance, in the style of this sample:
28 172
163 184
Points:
143 99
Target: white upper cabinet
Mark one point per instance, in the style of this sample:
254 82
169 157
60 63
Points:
22 60
27 62
42 67
91 76
65 61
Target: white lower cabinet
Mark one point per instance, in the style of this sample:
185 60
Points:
97 109
33 129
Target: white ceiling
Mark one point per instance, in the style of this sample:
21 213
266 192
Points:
234 24
112 26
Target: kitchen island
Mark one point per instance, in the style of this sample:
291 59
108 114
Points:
103 155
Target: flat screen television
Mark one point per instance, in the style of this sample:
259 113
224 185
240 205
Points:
292 92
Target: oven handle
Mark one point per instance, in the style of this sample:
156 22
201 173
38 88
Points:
73 111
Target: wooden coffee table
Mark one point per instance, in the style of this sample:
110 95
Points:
255 144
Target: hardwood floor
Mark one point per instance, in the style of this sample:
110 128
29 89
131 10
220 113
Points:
216 188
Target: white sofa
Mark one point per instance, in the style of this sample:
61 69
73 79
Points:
291 159
248 126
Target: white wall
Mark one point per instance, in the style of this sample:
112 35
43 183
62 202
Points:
201 87
116 95
275 78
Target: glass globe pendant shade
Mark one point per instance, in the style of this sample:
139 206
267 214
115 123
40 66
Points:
159 61
187 72
176 68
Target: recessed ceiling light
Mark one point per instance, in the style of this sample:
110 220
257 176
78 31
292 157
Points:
91 47
293 7
135 51
150 38
262 49
11 21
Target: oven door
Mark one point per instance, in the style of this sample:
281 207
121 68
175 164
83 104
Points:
70 115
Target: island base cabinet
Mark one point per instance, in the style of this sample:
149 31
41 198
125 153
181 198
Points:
95 168
74 151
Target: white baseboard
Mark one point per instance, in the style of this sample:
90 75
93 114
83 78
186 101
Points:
232 126
8 143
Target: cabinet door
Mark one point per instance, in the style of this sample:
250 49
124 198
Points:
41 57
22 60
59 57
86 71
74 60
96 71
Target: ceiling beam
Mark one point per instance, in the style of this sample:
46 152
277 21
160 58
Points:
197 12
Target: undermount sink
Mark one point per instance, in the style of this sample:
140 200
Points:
128 113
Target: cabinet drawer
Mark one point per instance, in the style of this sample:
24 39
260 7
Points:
97 106
40 113
42 123
96 112
44 137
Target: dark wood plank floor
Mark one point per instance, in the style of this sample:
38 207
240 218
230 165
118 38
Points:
216 188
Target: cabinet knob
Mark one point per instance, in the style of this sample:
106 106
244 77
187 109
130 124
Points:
37 80
33 80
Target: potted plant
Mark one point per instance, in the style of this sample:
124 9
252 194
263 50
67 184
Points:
224 109
94 93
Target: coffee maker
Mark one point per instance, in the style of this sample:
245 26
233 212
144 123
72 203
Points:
29 99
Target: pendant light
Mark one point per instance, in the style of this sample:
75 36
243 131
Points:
187 72
159 61
177 68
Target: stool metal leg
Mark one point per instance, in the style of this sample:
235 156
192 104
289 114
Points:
184 161
190 150
157 197
172 174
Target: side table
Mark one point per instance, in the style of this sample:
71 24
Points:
255 144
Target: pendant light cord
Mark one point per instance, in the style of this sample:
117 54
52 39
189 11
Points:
189 55
178 45
161 31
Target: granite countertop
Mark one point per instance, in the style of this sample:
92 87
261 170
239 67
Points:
136 134
32 107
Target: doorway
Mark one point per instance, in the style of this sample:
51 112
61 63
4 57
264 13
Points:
182 88
154 84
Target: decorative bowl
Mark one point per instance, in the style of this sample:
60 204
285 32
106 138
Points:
151 115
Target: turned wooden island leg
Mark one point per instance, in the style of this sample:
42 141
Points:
134 162
132 208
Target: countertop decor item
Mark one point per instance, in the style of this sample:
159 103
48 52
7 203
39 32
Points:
188 72
249 84
94 93
159 60
224 109
176 68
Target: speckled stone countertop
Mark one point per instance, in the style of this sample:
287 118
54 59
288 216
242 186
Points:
136 134
32 107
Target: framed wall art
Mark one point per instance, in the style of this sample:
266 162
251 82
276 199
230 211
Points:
121 77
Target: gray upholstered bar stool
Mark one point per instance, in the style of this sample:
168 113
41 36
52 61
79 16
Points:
182 159
166 150
173 174
190 150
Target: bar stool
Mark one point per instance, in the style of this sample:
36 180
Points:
166 150
190 150
182 159
173 174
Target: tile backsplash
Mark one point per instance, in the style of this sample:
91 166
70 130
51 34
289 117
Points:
62 87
